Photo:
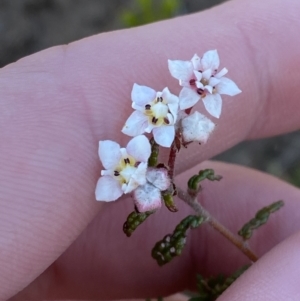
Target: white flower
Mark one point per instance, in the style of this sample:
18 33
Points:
200 79
155 111
125 168
148 197
196 127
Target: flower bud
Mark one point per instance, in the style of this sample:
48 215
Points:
196 127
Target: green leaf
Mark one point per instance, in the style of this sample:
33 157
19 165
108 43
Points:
209 174
260 219
173 244
134 219
169 202
148 11
211 288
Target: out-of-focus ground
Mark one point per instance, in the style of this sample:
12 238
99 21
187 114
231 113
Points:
27 26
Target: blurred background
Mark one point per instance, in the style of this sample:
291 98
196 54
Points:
27 26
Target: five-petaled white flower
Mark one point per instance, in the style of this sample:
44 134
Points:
125 168
200 79
155 111
196 127
148 197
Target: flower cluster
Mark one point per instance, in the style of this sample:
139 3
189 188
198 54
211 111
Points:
167 117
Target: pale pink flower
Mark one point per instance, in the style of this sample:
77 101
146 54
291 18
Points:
154 111
200 79
148 197
125 168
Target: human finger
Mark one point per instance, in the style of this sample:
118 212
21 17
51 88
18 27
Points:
274 277
103 263
67 98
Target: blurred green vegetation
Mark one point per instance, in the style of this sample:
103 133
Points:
148 11
294 176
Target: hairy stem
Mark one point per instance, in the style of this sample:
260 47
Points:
172 158
192 202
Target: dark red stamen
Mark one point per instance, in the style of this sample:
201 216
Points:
154 120
200 91
192 82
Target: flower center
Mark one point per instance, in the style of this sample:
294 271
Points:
199 91
157 111
126 168
204 81
127 172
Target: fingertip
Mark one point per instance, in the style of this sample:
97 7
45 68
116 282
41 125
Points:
274 277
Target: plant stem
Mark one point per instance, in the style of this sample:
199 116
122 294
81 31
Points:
171 162
192 202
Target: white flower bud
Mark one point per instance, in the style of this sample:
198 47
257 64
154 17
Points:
159 178
147 197
196 127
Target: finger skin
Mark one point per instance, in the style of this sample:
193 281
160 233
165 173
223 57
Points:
274 277
57 104
104 264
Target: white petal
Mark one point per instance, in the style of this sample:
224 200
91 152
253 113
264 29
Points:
221 73
138 178
108 172
184 83
199 85
142 95
198 75
228 87
140 174
181 69
108 189
169 97
196 127
213 104
139 148
171 119
109 153
164 135
213 81
149 128
173 107
135 124
137 107
207 74
147 198
196 62
187 98
208 88
130 186
159 178
210 60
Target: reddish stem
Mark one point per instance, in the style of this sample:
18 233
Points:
192 201
172 159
